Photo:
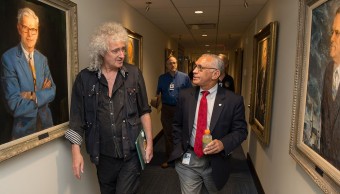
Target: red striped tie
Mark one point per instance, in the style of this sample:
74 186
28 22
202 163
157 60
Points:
201 124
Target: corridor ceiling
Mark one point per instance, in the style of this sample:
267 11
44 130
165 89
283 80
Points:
223 21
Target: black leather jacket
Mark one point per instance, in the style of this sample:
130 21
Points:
84 103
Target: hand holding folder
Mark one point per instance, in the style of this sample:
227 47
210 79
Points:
141 147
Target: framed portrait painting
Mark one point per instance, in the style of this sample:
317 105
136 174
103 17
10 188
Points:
315 132
39 62
238 69
134 49
263 81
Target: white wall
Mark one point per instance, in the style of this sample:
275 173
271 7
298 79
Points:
277 170
47 168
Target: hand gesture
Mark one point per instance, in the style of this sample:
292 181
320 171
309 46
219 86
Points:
47 84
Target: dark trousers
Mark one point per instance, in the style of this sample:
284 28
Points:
167 116
118 176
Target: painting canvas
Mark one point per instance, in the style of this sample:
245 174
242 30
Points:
134 49
263 81
315 133
57 41
238 70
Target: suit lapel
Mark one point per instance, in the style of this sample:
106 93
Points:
192 107
218 107
38 70
23 63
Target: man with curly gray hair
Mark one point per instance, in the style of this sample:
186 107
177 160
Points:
110 106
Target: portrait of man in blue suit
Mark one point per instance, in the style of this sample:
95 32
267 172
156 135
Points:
26 81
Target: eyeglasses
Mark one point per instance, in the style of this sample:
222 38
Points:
335 32
200 68
118 50
26 29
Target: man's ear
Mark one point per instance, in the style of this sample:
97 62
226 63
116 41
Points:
216 74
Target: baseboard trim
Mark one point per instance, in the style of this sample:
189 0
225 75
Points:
256 179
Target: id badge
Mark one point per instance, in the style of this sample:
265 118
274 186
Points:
186 158
171 86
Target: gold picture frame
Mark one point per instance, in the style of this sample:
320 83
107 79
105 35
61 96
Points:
313 57
263 81
58 41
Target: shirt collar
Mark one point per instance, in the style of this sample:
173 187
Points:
26 53
211 90
123 71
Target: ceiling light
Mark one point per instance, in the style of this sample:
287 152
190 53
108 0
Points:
198 12
207 45
245 4
147 6
204 35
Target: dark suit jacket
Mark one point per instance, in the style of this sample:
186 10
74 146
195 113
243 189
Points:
16 77
227 82
330 120
227 124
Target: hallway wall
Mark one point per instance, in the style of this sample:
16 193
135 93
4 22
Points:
47 168
277 170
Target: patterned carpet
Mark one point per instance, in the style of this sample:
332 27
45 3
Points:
155 180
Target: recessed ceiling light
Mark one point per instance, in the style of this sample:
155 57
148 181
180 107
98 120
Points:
198 12
207 45
204 35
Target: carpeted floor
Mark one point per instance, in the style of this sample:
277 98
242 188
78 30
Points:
155 180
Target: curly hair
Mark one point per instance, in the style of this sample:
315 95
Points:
99 44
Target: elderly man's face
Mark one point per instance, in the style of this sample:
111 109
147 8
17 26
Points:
114 57
28 31
171 64
335 40
205 73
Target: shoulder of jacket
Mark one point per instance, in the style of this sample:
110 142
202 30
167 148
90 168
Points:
37 52
14 50
87 75
130 67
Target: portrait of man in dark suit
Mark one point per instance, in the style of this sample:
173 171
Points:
261 88
330 101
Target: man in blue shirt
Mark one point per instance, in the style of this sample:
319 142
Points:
169 85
